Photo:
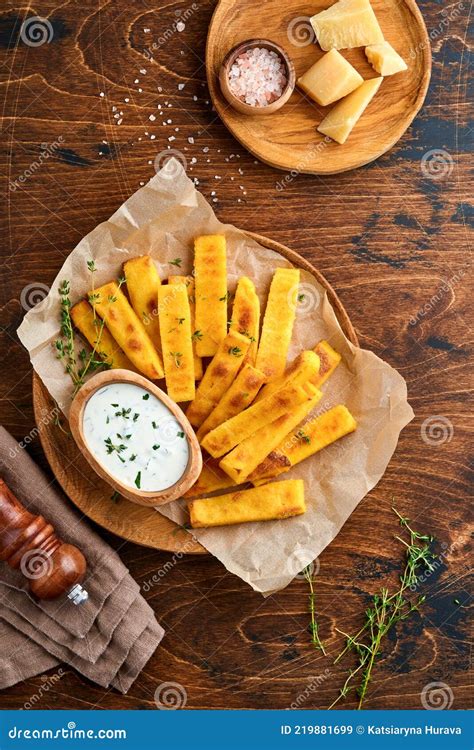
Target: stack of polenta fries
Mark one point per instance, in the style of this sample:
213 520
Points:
248 407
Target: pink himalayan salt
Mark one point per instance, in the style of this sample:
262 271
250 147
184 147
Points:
258 77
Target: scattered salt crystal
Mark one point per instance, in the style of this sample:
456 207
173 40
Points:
195 98
137 80
214 200
170 105
142 183
143 71
119 122
193 160
126 99
147 31
150 161
180 86
101 93
176 130
169 122
180 26
114 109
140 91
241 171
152 118
160 89
191 139
152 137
171 138
205 149
213 192
116 116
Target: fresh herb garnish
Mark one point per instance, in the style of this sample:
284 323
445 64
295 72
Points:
156 447
154 425
315 639
180 434
180 321
196 336
225 297
125 413
176 262
146 396
301 435
133 457
138 479
236 351
177 358
385 611
111 447
135 416
301 297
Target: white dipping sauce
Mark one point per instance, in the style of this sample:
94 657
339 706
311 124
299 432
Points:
135 437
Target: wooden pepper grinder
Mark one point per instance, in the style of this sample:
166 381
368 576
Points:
28 543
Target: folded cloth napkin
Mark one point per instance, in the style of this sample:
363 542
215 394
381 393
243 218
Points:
110 637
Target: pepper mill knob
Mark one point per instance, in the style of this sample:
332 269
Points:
29 543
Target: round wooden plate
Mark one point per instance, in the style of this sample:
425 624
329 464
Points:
93 496
288 139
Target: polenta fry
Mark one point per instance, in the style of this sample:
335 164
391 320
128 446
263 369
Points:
211 293
237 398
82 316
278 323
225 365
143 283
303 369
329 360
248 454
211 478
274 501
189 282
175 328
127 329
245 316
225 437
305 441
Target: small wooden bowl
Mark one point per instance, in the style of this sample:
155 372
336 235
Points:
193 469
234 101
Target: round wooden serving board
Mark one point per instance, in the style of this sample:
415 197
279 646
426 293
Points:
288 139
93 496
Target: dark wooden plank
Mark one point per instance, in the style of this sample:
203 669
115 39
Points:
394 243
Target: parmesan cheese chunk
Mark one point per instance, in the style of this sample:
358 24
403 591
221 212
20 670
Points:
330 78
384 59
347 24
341 119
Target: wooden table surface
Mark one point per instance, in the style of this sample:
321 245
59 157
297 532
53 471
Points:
393 239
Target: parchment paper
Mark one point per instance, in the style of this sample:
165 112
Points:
162 219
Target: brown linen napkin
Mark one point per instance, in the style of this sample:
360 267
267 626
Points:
110 637
29 658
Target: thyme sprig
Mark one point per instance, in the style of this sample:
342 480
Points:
315 639
385 611
64 346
